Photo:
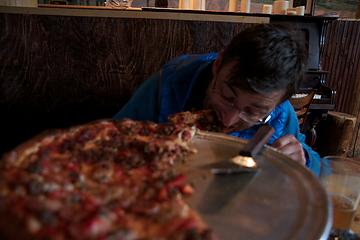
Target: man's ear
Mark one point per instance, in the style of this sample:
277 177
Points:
217 63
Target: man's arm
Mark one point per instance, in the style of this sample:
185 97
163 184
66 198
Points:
293 144
144 104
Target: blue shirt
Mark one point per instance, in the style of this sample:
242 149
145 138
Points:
168 92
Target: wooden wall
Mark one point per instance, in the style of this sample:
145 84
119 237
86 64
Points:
56 71
341 56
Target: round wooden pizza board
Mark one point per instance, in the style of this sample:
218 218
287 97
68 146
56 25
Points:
283 200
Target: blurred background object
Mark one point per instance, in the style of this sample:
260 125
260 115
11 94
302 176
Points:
342 8
118 3
161 3
19 3
74 2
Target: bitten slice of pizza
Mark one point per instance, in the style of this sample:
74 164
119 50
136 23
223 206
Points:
205 120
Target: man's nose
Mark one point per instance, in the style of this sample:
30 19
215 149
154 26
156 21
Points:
229 118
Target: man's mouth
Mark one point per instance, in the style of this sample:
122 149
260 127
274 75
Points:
238 126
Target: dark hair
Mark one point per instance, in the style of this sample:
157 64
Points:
269 59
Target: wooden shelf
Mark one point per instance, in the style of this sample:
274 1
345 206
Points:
158 13
94 11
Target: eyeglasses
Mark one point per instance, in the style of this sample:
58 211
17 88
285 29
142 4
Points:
227 95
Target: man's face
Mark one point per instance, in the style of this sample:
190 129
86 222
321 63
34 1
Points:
238 109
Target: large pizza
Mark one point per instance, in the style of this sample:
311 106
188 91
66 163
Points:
103 180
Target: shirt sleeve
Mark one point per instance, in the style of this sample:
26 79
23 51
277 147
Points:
312 157
144 104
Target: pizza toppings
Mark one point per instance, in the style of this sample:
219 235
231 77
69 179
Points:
104 180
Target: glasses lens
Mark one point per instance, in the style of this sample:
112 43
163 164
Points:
227 96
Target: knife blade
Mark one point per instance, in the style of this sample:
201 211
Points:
245 160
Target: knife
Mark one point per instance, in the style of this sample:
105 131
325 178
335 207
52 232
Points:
245 160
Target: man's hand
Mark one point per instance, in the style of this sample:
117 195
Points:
291 147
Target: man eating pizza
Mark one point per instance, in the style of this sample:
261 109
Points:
246 85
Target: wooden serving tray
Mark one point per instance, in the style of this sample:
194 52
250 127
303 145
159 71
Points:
283 200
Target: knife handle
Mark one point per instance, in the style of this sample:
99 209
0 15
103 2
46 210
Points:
260 138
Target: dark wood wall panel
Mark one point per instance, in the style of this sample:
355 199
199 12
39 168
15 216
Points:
59 71
340 56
